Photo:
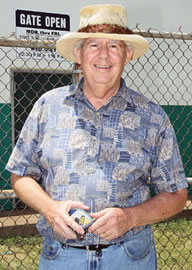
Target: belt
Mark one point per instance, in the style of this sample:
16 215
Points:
96 248
93 247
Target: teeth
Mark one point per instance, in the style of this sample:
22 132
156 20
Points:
102 66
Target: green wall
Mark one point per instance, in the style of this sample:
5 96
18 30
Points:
181 118
5 150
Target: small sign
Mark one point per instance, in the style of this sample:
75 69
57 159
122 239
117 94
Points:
34 25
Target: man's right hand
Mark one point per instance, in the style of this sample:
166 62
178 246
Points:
56 212
58 217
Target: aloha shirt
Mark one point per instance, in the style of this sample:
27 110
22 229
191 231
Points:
106 158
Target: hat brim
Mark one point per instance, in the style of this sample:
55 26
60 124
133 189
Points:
65 45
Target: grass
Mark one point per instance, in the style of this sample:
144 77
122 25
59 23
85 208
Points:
173 242
20 253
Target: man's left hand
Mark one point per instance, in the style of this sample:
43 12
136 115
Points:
111 223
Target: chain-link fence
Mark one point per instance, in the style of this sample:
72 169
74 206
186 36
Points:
30 68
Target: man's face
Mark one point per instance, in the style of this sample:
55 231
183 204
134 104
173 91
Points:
103 60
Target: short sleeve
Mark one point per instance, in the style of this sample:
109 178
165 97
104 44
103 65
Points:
24 158
167 174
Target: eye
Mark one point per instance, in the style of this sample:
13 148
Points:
93 45
114 47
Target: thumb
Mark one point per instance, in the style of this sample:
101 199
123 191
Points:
76 204
98 214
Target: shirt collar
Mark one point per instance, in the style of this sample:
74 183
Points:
123 92
76 90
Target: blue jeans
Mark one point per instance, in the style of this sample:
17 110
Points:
136 253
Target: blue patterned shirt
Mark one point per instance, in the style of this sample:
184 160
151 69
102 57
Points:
104 158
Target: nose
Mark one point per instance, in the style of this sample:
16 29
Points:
104 50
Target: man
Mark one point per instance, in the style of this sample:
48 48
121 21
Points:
96 146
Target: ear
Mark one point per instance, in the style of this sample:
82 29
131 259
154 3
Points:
129 56
77 55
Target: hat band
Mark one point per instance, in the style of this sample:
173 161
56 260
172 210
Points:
106 28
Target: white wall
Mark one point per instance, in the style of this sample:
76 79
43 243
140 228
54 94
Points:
161 15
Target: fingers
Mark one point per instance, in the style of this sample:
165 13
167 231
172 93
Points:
101 226
100 223
110 223
69 233
67 227
62 223
75 204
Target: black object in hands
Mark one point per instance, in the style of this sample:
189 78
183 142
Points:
82 218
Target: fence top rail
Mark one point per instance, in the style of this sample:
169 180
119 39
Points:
13 41
4 42
165 35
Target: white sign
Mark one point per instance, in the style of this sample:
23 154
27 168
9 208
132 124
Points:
33 25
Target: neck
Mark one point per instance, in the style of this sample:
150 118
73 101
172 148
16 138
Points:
99 94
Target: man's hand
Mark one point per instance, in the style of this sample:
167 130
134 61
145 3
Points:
56 212
111 223
114 222
61 222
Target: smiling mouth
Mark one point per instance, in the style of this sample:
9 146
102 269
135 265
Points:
103 66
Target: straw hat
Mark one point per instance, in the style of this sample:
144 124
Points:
102 21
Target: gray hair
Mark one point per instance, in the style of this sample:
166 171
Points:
78 44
